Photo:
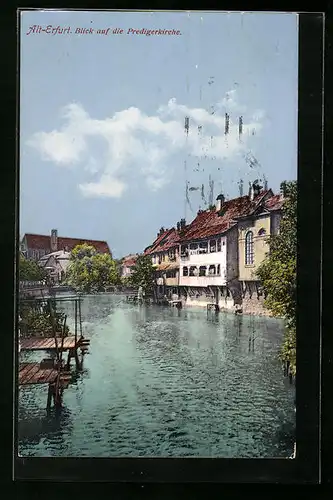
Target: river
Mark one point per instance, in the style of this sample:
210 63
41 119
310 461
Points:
163 382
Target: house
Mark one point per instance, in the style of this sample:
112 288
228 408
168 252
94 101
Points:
36 246
164 253
254 229
127 265
55 264
209 248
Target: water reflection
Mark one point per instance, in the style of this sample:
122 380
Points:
170 382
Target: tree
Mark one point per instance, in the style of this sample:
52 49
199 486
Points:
143 274
89 271
30 270
277 273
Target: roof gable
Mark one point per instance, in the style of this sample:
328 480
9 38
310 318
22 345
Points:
43 242
212 223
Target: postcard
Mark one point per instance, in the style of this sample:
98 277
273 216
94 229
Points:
158 241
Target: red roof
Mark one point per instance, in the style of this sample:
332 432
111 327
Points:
274 203
210 223
156 246
129 261
42 242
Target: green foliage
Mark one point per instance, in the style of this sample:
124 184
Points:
36 321
89 271
143 274
277 273
30 270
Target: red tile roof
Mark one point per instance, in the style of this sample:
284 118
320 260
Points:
155 247
210 223
128 262
274 203
42 242
169 239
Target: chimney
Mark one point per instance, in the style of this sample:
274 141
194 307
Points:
219 202
252 190
54 240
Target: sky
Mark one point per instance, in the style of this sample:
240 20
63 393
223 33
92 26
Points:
104 152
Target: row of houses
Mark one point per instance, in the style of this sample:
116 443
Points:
217 254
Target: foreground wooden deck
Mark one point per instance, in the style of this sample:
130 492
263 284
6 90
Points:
47 343
31 373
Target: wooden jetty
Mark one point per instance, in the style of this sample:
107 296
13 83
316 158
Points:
52 371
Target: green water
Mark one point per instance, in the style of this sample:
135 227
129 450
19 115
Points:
166 382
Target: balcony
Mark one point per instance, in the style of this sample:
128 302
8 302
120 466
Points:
204 281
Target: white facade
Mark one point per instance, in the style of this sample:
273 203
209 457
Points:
204 263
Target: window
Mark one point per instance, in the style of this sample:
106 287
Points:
203 247
223 243
219 245
261 232
193 271
185 271
184 251
193 246
202 271
218 269
212 270
212 246
249 248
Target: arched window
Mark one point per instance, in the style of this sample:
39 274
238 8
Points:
249 248
261 232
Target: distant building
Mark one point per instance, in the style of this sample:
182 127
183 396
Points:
36 246
164 253
127 265
55 264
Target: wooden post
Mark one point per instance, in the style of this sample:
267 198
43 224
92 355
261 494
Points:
80 318
49 397
217 299
77 361
75 307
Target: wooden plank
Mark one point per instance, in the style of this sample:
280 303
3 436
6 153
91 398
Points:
44 376
24 379
25 370
47 343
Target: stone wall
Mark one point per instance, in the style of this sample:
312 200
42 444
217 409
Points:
255 306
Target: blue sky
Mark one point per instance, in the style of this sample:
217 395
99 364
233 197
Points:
102 141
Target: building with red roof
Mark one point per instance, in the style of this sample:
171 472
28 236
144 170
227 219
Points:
164 253
215 256
127 265
35 246
212 246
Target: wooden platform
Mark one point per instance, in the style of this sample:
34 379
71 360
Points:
48 343
31 373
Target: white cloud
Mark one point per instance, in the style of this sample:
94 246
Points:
138 145
107 187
